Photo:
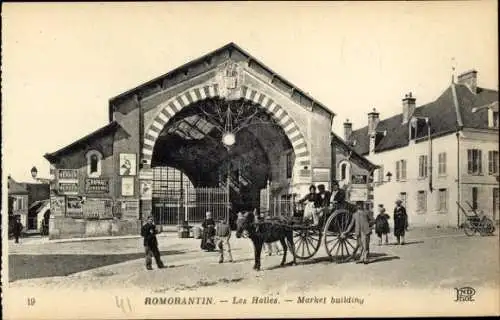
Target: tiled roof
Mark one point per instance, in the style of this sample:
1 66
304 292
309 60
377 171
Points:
15 187
107 129
442 114
359 160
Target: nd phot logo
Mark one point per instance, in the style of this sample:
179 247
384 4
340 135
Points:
465 294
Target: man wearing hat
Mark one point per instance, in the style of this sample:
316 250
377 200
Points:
400 222
337 198
149 232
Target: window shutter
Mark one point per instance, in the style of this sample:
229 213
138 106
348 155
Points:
444 162
397 171
480 161
403 169
469 161
490 162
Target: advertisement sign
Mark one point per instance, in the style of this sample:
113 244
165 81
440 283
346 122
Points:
146 190
130 209
74 206
128 164
127 186
358 194
359 179
67 174
96 185
57 206
68 188
97 208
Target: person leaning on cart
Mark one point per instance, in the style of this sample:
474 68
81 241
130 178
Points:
362 222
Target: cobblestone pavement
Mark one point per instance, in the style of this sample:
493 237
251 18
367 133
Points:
432 258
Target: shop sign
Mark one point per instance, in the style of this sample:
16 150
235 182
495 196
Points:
67 174
96 185
68 187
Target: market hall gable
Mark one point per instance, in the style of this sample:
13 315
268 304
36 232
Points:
179 121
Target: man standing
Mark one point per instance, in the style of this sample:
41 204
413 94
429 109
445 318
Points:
18 228
363 221
400 222
149 232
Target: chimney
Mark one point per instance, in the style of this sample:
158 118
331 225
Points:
408 107
347 130
469 79
373 120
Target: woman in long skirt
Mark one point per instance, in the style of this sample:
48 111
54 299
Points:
382 225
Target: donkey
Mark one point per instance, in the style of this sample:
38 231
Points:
261 232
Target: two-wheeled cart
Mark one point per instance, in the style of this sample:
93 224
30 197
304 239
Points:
334 231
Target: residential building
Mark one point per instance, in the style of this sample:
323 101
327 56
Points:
459 163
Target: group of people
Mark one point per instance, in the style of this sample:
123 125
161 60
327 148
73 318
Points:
382 228
363 223
217 235
316 202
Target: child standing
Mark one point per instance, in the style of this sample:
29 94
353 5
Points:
382 225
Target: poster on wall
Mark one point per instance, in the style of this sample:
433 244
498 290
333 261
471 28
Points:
74 206
96 185
57 206
97 208
146 190
127 186
127 164
130 209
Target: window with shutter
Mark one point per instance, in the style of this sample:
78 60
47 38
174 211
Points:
493 162
421 201
403 169
398 175
474 161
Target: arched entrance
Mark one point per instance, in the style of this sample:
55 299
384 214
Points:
194 141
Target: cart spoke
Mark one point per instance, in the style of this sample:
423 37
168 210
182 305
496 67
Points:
332 247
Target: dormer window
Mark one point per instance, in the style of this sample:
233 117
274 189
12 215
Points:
94 159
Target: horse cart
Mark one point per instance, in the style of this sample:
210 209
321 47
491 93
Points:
334 231
476 222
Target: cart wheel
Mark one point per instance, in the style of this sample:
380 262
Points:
306 242
343 248
468 228
486 228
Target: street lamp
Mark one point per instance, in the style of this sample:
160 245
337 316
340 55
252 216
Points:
389 176
34 172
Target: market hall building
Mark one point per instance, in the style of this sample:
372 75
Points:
212 135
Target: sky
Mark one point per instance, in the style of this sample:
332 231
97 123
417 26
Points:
61 63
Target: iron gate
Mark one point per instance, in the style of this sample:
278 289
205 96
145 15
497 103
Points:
172 207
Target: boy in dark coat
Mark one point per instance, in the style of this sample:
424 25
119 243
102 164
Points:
400 222
148 231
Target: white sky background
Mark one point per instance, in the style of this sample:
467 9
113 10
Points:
61 63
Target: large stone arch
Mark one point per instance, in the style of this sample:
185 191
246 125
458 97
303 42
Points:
169 108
